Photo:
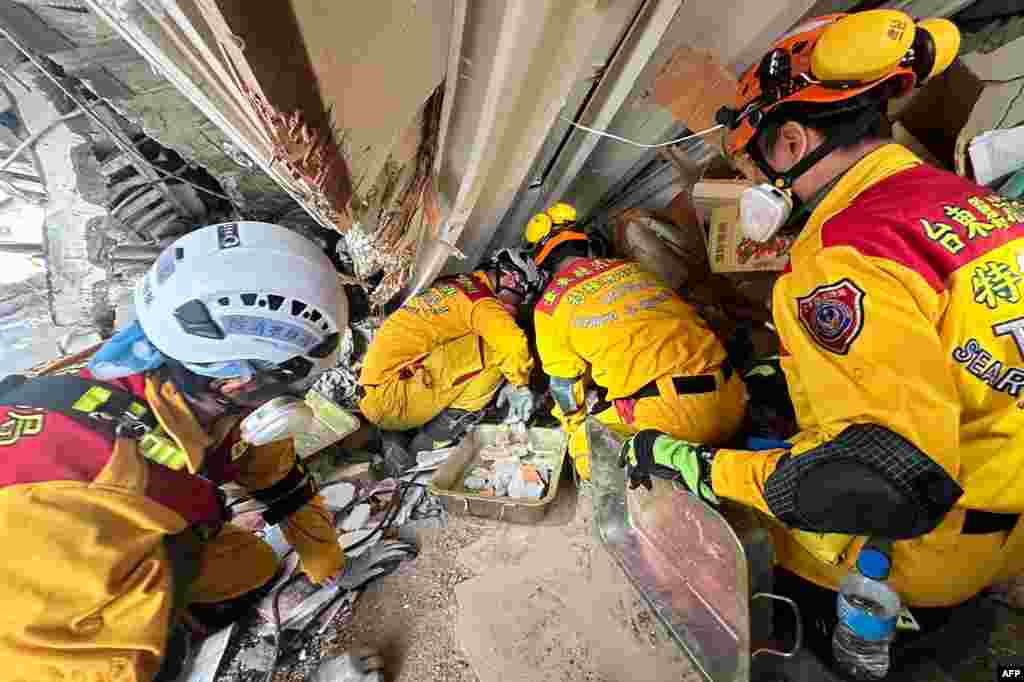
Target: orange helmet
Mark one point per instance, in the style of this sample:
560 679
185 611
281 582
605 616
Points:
548 245
835 58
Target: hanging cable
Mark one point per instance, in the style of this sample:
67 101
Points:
641 145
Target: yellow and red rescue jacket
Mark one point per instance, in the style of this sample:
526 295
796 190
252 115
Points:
623 324
903 306
87 582
453 308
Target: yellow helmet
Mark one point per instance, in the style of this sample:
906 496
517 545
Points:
562 213
539 227
834 59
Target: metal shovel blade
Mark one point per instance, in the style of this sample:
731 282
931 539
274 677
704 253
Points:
681 555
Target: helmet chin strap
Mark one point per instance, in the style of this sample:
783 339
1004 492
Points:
784 181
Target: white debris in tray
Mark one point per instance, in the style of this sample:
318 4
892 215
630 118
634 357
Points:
497 452
515 434
509 478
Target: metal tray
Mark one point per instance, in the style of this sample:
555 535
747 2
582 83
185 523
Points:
447 481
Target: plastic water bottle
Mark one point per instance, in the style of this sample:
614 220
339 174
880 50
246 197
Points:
867 609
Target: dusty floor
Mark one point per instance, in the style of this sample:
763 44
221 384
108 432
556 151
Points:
410 617
496 602
487 601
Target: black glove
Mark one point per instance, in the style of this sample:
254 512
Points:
653 453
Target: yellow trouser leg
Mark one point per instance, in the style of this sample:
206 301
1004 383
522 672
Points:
309 529
403 404
476 393
706 418
453 375
233 563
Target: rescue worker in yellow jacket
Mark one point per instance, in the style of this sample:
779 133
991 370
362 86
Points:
440 359
901 318
653 359
110 504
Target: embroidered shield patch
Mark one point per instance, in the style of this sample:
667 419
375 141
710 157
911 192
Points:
833 314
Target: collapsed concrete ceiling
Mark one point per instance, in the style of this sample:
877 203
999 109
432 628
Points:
359 77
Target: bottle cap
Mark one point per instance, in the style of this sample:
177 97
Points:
873 564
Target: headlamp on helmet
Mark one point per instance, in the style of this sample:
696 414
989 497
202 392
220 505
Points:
836 64
518 263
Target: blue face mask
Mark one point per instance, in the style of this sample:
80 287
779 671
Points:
234 369
127 352
130 352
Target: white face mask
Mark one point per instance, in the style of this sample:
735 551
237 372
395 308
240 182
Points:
764 209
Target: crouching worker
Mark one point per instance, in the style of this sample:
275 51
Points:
110 502
903 350
439 360
654 361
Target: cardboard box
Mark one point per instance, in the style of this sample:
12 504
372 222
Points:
902 136
730 251
711 194
979 92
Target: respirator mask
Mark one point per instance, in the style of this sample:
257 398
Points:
767 208
764 210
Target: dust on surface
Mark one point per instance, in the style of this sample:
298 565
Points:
409 617
487 601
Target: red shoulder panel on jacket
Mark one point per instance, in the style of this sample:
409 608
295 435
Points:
39 445
928 220
579 271
473 288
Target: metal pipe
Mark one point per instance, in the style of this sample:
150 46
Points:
31 139
157 57
25 248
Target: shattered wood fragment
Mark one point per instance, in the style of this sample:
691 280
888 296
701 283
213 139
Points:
416 212
310 156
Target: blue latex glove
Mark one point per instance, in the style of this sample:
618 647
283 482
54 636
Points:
521 402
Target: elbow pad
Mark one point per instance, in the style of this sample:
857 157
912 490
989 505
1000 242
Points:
867 481
564 392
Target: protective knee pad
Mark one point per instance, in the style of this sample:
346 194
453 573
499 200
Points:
867 481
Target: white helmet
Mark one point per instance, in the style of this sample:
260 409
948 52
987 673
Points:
244 291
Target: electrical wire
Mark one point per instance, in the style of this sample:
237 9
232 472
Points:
389 518
641 145
276 609
1002 81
